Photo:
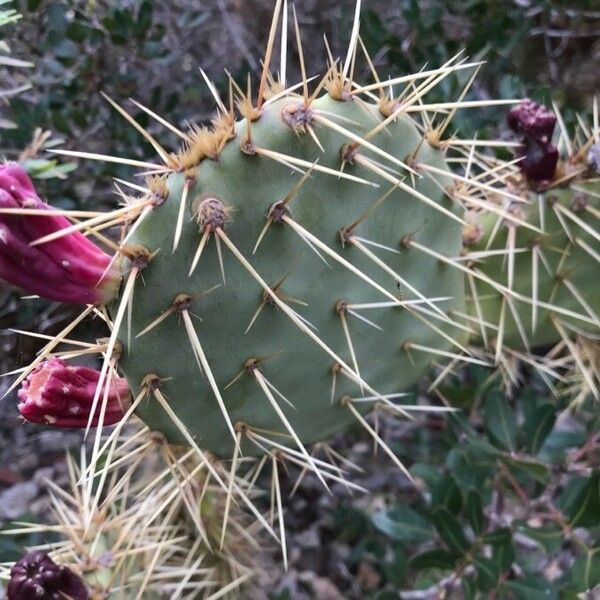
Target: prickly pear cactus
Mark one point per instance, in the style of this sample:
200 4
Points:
99 556
293 267
537 269
550 282
254 322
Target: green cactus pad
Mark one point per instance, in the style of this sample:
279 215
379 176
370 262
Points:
248 184
566 253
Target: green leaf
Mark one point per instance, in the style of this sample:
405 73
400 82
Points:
450 530
469 588
56 16
438 558
428 473
373 546
497 537
394 569
584 508
351 523
47 169
65 48
59 171
78 31
447 493
500 422
459 396
550 537
144 19
530 588
475 511
559 442
487 573
528 467
566 501
504 556
386 595
429 577
585 573
403 524
8 16
474 463
537 428
568 593
482 450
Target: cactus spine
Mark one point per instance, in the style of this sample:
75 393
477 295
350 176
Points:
137 537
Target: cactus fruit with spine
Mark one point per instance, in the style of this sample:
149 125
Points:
36 575
70 269
57 393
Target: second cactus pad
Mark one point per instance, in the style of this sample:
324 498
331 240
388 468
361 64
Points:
542 285
335 309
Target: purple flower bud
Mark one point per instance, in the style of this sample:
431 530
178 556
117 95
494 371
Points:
56 393
68 269
532 120
540 160
535 124
37 577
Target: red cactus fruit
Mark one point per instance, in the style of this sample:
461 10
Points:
531 119
540 160
535 125
37 577
56 393
69 269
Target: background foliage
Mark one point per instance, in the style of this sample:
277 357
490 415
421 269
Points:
509 505
152 51
509 498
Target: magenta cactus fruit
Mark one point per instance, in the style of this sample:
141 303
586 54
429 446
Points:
69 269
59 394
535 124
531 119
37 577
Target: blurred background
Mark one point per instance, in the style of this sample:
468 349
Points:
152 51
349 547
